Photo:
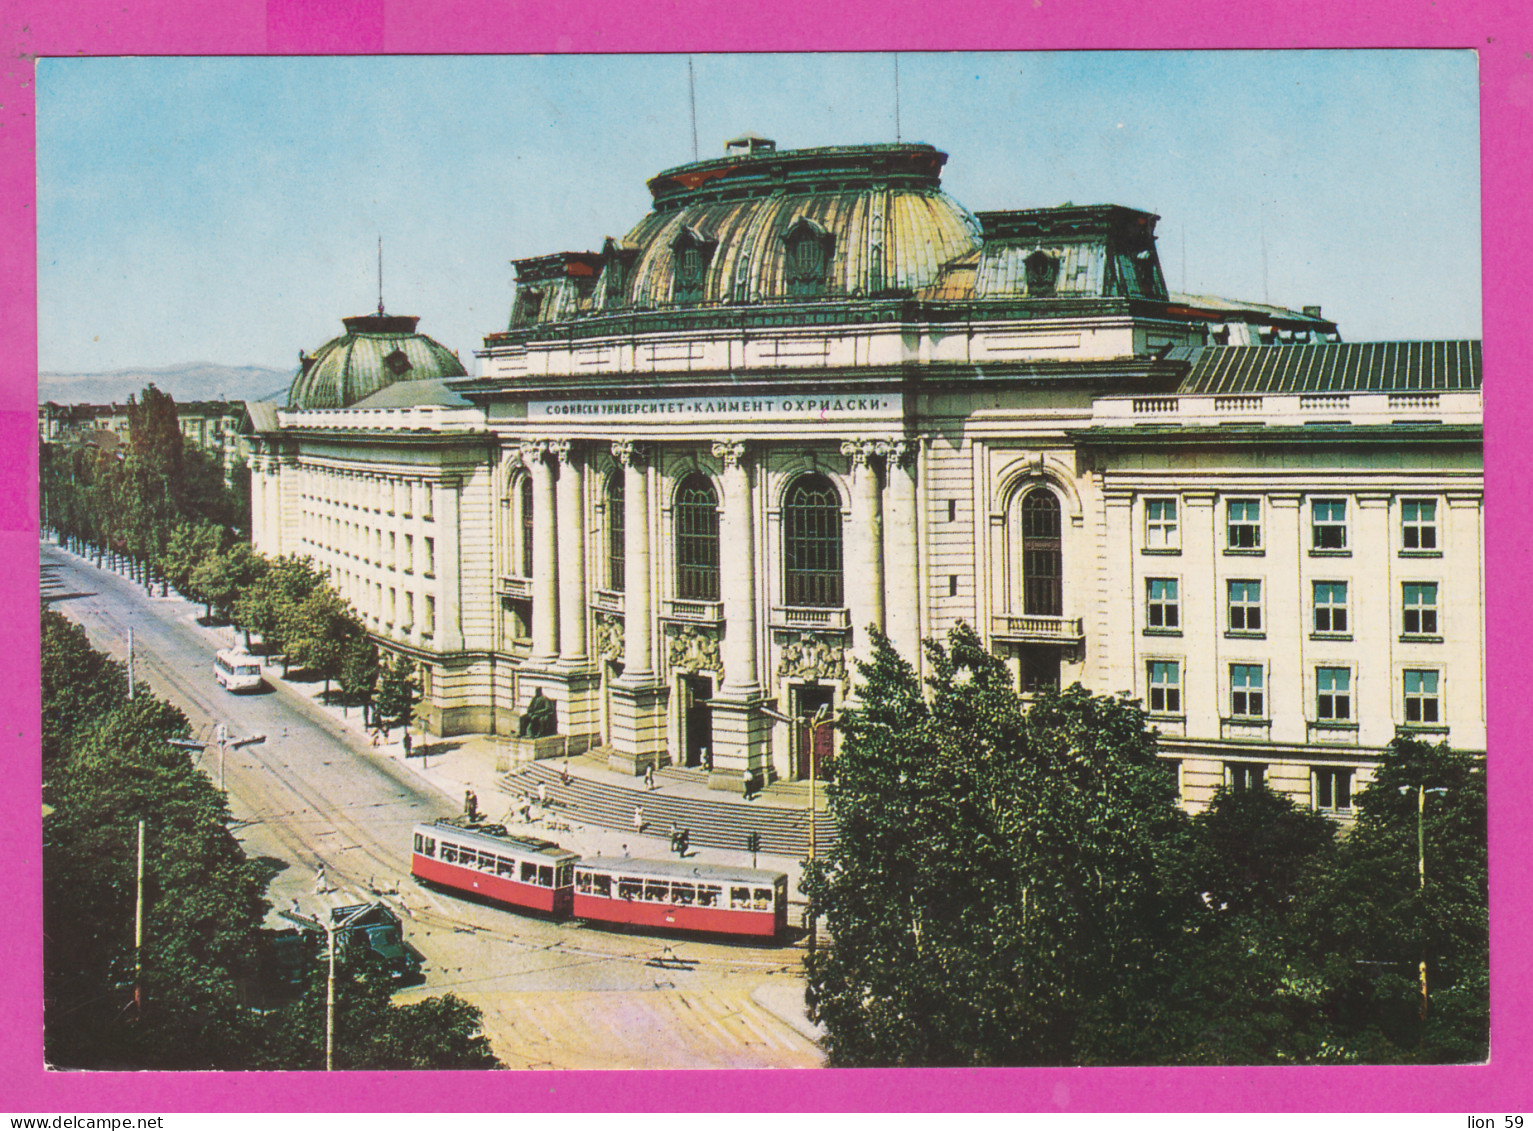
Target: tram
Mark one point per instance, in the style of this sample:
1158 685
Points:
529 874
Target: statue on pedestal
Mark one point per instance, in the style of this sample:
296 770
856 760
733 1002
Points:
538 721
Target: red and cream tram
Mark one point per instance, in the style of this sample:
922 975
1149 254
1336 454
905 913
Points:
525 872
675 895
657 895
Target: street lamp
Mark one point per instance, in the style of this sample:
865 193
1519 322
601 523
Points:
1421 869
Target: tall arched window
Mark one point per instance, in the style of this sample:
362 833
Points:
697 540
526 525
811 519
616 525
1042 565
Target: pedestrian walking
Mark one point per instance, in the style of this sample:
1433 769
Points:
745 783
407 743
470 804
321 885
638 818
649 777
542 794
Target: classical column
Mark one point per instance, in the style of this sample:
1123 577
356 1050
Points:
863 566
638 659
737 573
572 556
545 559
902 612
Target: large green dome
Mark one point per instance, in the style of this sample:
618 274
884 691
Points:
376 351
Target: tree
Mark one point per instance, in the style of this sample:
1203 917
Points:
188 546
152 499
220 578
79 685
398 692
271 605
359 670
997 885
316 633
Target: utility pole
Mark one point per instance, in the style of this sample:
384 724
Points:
138 930
130 663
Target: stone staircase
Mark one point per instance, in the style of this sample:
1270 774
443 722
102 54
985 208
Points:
711 823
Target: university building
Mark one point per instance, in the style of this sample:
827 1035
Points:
809 392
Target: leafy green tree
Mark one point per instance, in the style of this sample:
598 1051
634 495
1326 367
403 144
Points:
359 670
270 606
398 692
79 684
1259 850
997 883
318 633
153 485
220 578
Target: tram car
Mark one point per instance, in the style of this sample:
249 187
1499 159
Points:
529 874
525 872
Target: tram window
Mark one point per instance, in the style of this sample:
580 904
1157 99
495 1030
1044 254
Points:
430 846
504 867
683 893
564 874
657 891
529 872
708 896
546 876
763 898
739 897
629 889
602 886
449 853
583 883
419 842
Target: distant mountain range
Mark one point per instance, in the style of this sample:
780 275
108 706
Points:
194 381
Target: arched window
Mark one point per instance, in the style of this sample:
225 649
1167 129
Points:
811 519
697 540
691 255
1042 565
616 525
807 247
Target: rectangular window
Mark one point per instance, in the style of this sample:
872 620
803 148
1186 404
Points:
1246 691
1328 524
409 610
1421 702
1420 609
1331 607
1160 528
430 623
1243 525
430 556
406 496
1166 687
1333 695
392 609
393 550
1333 789
1242 776
426 499
1163 608
409 566
1418 524
1245 606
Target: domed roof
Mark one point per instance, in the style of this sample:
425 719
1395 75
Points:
870 218
377 350
758 225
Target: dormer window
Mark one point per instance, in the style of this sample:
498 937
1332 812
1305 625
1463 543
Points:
528 304
808 248
397 363
1042 273
691 256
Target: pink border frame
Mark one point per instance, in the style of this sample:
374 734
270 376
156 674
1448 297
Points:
1501 33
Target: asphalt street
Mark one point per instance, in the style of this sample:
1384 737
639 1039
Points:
314 795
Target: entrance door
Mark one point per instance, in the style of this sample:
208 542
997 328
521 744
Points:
818 745
696 691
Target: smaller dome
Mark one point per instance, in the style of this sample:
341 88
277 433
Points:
376 351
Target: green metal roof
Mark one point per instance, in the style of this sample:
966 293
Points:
1341 367
376 351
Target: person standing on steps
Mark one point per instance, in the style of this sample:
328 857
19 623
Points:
638 819
649 777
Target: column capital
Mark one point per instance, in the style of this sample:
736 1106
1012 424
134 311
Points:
533 451
902 450
732 452
561 449
861 450
629 453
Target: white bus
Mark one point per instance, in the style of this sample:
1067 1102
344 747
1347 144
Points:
237 670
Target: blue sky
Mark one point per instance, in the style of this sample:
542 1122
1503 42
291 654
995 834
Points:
228 209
